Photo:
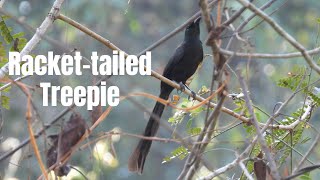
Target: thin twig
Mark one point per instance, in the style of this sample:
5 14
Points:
153 73
245 170
272 164
176 30
245 22
231 165
288 145
33 42
251 145
186 142
29 118
193 161
26 141
55 43
234 17
314 144
282 33
269 56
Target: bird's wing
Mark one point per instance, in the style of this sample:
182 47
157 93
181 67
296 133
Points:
174 60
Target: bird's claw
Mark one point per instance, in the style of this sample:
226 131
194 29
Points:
182 88
193 95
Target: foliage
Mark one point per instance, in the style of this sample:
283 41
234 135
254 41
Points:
17 42
5 30
181 152
133 26
282 142
177 118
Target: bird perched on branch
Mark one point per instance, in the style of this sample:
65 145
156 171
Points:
181 66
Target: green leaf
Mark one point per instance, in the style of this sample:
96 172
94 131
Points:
18 35
305 176
5 102
183 106
4 17
22 43
194 131
6 89
258 116
2 50
249 129
195 112
305 140
177 118
181 152
5 31
292 81
3 61
204 90
189 123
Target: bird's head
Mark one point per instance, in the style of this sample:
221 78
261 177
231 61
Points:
193 29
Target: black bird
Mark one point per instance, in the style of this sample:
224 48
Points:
181 66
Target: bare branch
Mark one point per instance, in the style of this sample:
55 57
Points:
234 17
282 33
26 141
303 171
231 165
314 144
57 44
193 161
37 36
245 22
269 56
272 164
307 112
176 30
153 73
245 170
248 149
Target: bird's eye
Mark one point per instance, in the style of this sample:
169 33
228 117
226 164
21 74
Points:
190 26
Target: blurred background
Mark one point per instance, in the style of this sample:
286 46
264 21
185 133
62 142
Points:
133 26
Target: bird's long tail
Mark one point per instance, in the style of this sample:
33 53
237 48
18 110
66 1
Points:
138 157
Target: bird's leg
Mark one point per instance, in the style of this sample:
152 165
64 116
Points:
183 87
192 92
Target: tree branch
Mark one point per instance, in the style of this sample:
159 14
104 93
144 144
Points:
282 33
272 164
245 22
176 30
193 161
314 144
153 73
269 56
46 24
